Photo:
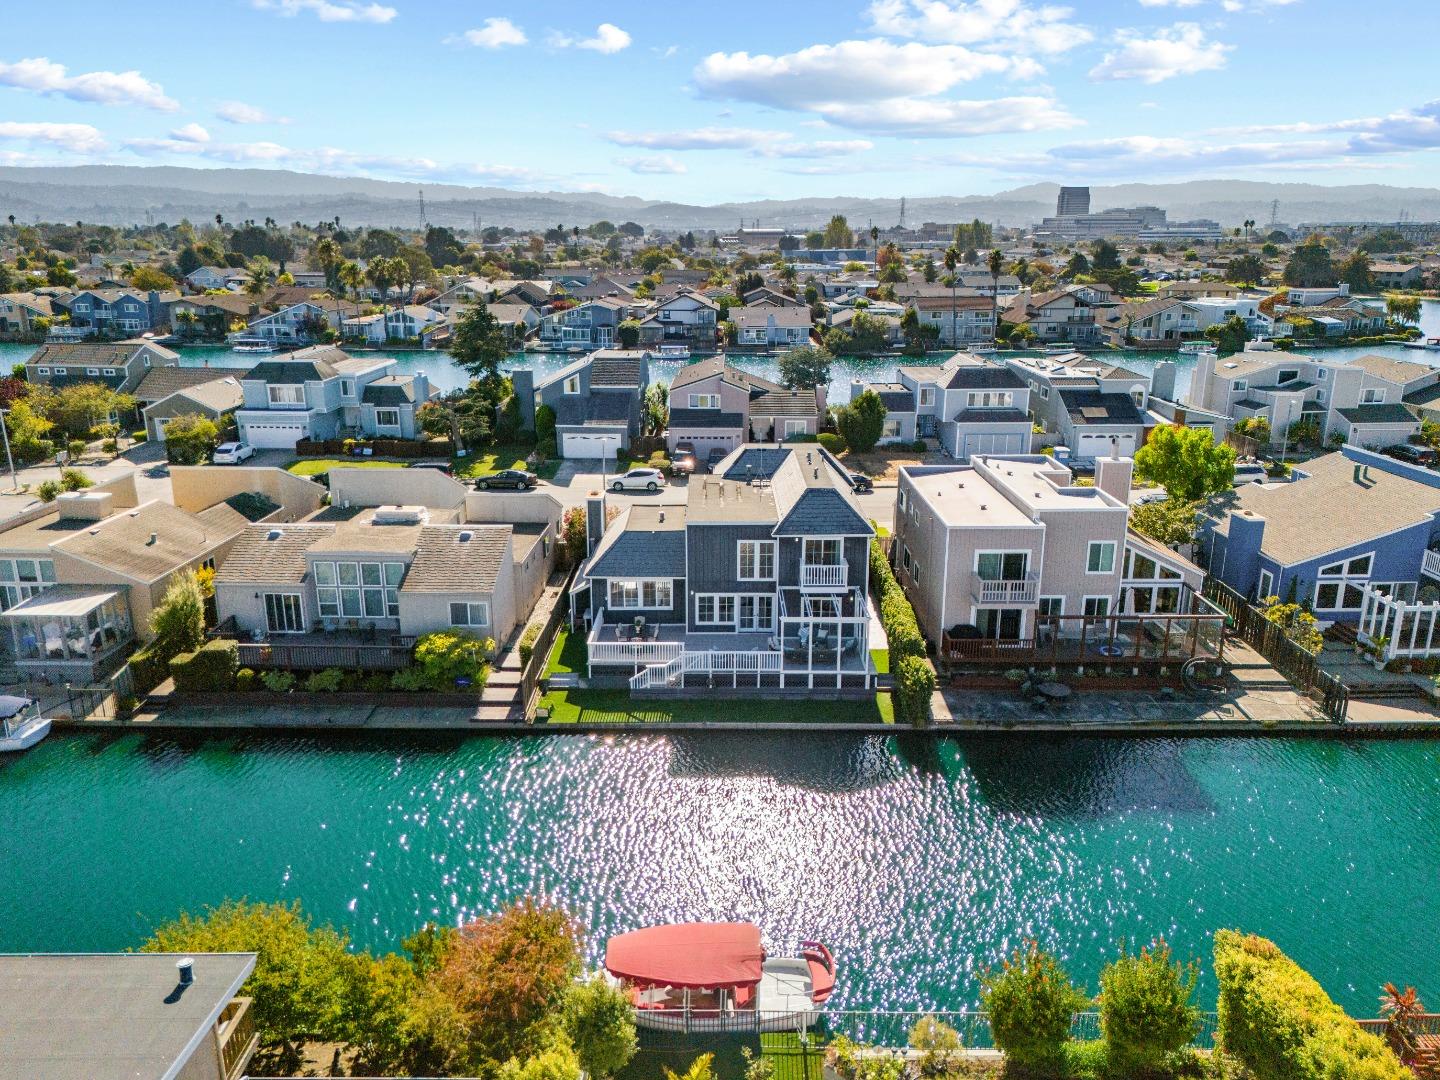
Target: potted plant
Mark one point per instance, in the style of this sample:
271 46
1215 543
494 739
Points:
1402 1008
1377 651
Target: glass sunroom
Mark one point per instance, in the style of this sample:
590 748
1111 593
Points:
74 632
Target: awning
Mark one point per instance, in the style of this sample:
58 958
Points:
697 956
11 706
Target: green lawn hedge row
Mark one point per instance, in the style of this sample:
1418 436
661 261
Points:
913 677
209 669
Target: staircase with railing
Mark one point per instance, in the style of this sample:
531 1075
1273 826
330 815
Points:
672 673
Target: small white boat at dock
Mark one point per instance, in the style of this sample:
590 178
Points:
21 725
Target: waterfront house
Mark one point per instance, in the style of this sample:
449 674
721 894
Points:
323 393
1348 521
213 399
686 317
959 320
1362 402
1397 275
1007 552
20 310
120 365
761 579
398 323
969 405
118 1016
303 322
1058 315
212 315
1089 405
115 311
716 405
769 326
598 401
593 325
79 577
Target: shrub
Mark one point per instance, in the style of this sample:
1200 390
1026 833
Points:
1275 1018
377 683
545 449
141 435
545 425
245 679
442 658
208 669
75 448
600 1023
527 642
178 623
919 446
914 685
278 682
849 1061
189 439
148 669
325 682
1145 1008
833 442
940 1046
1031 1002
74 480
48 491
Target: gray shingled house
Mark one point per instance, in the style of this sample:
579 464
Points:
599 401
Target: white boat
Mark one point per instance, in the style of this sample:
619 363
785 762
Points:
1195 348
21 725
982 350
673 352
253 345
1431 344
1059 350
716 977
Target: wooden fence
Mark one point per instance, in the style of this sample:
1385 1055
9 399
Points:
1301 668
534 671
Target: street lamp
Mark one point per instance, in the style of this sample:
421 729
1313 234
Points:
9 459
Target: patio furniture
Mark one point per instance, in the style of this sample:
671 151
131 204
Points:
1053 691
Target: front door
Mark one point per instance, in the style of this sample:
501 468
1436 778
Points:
283 614
757 612
999 624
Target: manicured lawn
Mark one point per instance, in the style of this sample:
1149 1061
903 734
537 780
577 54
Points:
498 458
617 707
567 657
881 659
315 466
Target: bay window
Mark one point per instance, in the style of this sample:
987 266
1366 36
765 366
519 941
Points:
356 590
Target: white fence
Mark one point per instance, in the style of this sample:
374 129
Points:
1404 627
824 575
673 672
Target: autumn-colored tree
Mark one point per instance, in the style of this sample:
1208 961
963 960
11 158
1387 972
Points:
507 973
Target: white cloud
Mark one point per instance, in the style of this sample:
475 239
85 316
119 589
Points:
1170 3
192 133
608 38
997 24
494 33
1183 49
663 165
921 118
760 143
237 112
43 76
331 10
76 138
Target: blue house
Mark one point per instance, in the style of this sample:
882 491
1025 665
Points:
1349 519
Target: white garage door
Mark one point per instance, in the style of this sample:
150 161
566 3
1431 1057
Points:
991 443
271 434
589 446
157 428
1098 446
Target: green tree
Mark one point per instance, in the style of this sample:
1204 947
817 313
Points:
1172 522
657 408
1186 462
600 1023
442 247
838 234
1104 255
805 367
1032 1003
1229 336
629 333
930 271
994 260
189 439
942 1051
1355 272
178 621
1405 309
328 258
862 422
1310 265
479 345
1075 265
79 408
1247 270
1299 625
262 275
554 1060
302 972
148 278
1146 1011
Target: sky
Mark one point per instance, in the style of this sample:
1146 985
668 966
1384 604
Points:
707 103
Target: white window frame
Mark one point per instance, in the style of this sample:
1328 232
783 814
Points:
285 393
1267 585
640 594
1345 578
477 612
890 429
42 371
758 549
572 384
704 401
717 603
754 625
381 422
794 427
331 595
1108 601
975 568
1089 553
1372 395
110 371
92 371
347 388
927 393
990 399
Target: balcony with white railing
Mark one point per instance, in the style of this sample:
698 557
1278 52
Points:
623 644
1431 564
751 663
824 575
1024 590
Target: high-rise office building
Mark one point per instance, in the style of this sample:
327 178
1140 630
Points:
1073 202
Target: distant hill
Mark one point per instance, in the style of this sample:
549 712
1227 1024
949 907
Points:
125 194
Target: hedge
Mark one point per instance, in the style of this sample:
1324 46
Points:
914 684
833 442
1278 1021
209 669
527 642
897 616
148 669
396 448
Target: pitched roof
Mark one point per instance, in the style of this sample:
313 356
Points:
810 501
978 375
458 558
122 542
1093 407
161 382
640 544
614 368
305 365
1392 370
792 403
717 365
991 416
273 554
1392 413
97 353
897 396
390 390
751 316
218 395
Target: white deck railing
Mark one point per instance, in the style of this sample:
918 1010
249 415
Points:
1431 564
1407 628
824 575
1023 591
706 662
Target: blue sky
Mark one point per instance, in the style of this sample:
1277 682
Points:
740 100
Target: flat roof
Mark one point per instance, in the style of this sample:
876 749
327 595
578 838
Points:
109 1016
960 496
1031 483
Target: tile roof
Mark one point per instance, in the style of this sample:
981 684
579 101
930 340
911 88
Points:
272 554
122 541
640 545
458 558
1301 521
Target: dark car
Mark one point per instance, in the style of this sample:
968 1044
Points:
515 479
1414 455
438 466
716 456
683 462
861 484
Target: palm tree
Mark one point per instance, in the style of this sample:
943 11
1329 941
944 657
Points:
875 240
996 260
952 261
350 278
262 275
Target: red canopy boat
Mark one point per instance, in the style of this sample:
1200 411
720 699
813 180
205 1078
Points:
717 977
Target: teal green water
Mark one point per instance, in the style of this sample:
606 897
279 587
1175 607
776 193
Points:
917 861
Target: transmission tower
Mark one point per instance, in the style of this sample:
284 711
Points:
1274 211
901 225
422 209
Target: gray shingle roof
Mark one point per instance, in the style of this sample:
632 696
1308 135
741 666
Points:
1392 413
640 545
95 353
161 382
982 377
621 371
1093 407
896 396
390 390
991 416
271 554
291 371
809 500
784 403
458 558
705 418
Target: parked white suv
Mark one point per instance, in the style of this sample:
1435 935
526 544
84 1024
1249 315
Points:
231 453
639 480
